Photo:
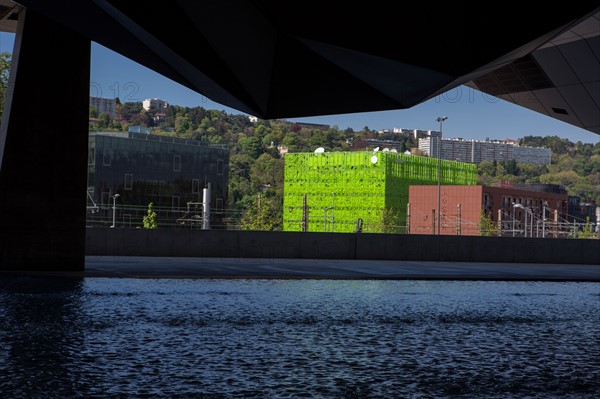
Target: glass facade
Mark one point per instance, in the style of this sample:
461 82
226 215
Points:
142 168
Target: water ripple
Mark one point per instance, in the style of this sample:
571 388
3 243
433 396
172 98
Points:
105 338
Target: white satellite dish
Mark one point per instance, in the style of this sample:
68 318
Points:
374 159
320 150
386 150
376 149
393 150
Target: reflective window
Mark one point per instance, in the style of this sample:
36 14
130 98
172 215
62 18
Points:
105 198
107 157
168 173
128 181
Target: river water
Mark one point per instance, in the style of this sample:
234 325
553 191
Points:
147 338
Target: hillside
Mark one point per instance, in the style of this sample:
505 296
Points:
256 166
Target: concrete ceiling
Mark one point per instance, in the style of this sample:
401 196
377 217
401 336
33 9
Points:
560 79
278 59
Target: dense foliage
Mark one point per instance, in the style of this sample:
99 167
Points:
574 165
256 161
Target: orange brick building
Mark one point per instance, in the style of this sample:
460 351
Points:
461 209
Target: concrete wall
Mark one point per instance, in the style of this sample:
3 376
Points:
296 245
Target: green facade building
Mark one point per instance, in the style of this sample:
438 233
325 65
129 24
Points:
341 187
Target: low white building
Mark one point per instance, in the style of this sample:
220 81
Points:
154 103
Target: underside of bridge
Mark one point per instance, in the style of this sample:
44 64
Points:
269 59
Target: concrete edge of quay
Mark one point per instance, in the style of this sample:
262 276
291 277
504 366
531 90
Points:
341 246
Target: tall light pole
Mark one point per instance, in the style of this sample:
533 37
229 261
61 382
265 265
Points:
526 212
543 221
114 198
440 119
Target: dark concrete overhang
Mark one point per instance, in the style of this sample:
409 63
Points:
276 60
560 79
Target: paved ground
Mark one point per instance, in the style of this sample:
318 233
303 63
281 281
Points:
224 268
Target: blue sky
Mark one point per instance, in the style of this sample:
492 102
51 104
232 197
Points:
471 114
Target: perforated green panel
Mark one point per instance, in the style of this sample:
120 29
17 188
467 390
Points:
355 187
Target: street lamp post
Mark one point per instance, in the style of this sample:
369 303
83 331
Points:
439 119
543 221
526 212
114 198
514 223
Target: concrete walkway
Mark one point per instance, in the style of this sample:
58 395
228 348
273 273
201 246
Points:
232 268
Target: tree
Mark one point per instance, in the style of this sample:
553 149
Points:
115 124
150 220
263 173
290 140
487 227
269 139
486 171
251 146
128 110
5 59
182 124
239 177
103 120
93 112
587 232
568 178
391 222
264 214
511 167
587 229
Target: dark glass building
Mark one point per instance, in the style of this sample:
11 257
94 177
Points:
169 172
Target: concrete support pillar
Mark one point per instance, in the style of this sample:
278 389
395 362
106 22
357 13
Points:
43 149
